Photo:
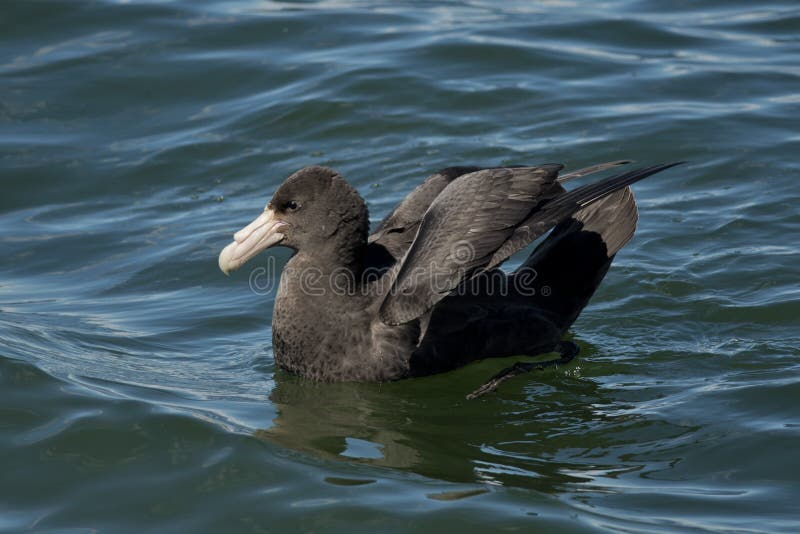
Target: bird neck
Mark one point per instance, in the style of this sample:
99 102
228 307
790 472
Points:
333 256
344 248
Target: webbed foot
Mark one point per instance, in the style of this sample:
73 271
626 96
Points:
567 349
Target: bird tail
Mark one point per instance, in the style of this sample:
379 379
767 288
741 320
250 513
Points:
572 261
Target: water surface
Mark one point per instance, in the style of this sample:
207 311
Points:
139 390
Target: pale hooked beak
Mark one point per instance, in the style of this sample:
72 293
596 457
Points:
260 234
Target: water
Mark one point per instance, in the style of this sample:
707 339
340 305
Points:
139 390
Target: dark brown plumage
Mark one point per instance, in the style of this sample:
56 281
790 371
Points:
423 294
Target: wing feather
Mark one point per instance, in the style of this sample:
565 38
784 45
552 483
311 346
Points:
461 231
481 219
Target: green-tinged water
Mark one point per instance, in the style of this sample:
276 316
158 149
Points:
139 391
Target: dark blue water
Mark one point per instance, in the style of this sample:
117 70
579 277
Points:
139 390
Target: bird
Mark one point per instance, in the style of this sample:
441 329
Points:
425 293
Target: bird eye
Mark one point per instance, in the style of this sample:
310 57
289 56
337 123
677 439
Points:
292 205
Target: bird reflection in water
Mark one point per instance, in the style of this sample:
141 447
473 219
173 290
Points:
559 430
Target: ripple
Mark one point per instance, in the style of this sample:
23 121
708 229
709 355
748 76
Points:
139 389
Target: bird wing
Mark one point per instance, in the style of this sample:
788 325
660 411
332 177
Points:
564 205
461 230
478 221
396 231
